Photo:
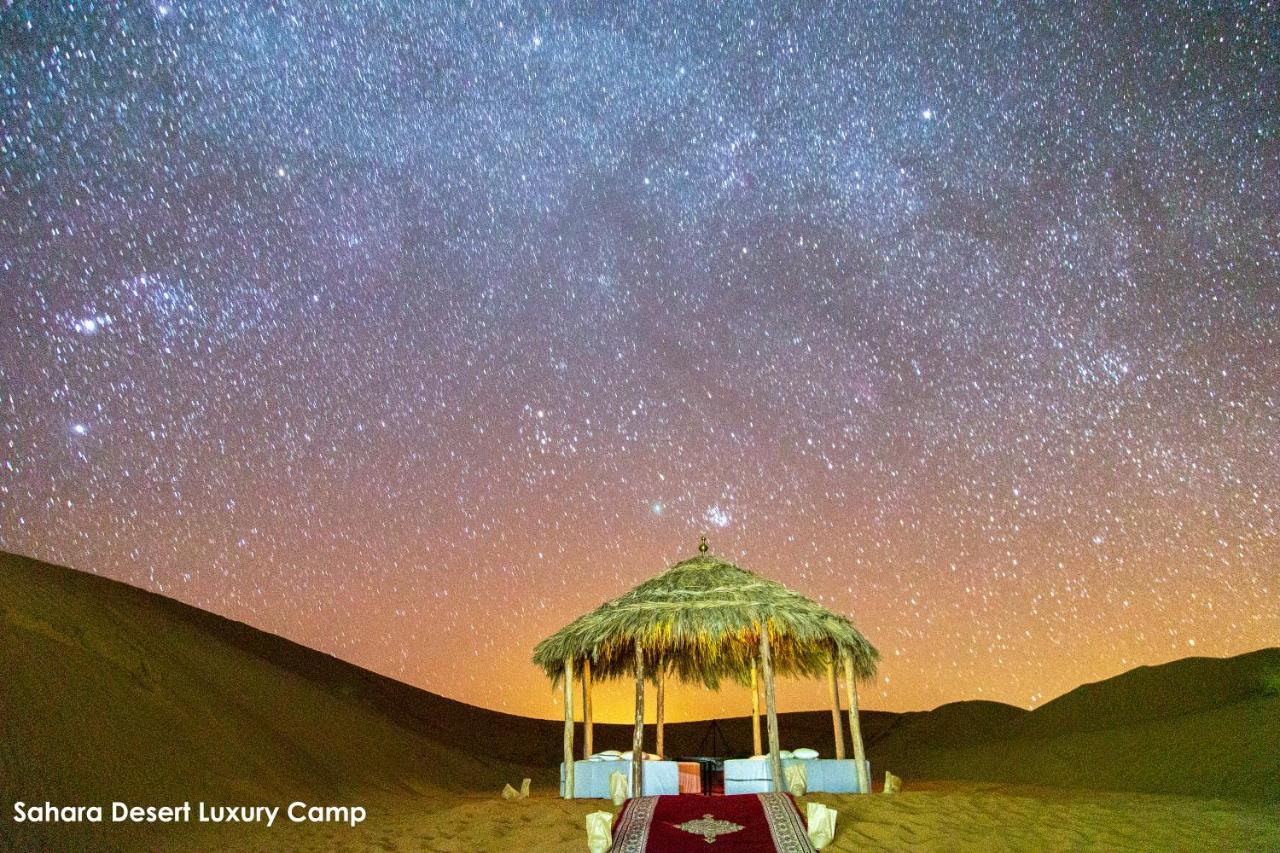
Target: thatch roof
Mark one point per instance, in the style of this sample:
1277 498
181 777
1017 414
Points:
700 619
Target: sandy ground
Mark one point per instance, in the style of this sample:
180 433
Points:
111 693
937 816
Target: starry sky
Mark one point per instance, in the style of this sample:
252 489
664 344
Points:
411 331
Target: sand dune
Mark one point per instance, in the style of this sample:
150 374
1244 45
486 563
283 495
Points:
112 693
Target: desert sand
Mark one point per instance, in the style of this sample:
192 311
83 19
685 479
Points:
937 816
111 693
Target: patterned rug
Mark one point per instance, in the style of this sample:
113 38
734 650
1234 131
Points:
675 824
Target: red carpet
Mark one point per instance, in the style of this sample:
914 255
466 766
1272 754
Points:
756 822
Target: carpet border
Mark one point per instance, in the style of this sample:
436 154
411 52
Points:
638 810
785 824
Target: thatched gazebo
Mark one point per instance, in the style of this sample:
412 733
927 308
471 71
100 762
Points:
703 621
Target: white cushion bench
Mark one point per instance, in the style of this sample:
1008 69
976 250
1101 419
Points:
591 778
828 775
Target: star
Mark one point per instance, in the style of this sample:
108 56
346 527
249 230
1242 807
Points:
717 516
429 324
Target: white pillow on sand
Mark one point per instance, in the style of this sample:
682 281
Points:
804 753
627 756
607 755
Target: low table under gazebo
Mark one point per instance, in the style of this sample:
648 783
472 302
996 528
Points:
705 621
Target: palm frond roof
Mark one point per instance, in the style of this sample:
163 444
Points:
700 621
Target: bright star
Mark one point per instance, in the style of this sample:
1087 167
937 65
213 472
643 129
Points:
717 516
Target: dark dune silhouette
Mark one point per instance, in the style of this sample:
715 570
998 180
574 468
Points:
114 693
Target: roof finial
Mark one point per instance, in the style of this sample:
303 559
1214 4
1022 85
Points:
702 544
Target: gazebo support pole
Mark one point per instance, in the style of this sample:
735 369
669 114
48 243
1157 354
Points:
659 711
771 707
755 710
568 728
587 734
637 737
836 723
855 729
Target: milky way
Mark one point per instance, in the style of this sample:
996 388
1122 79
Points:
411 331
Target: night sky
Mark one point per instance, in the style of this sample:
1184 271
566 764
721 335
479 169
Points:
411 331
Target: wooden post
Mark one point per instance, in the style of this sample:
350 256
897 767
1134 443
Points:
755 711
637 737
771 708
587 733
855 729
836 723
660 709
568 728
